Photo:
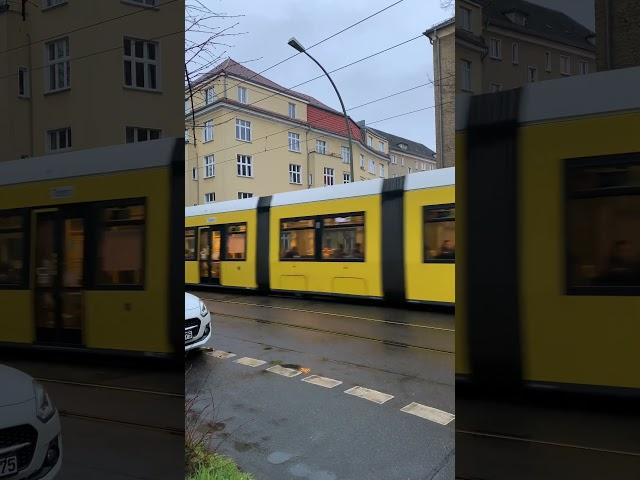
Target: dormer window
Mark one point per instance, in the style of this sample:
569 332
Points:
403 146
518 18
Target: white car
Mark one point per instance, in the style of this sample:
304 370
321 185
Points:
30 441
197 322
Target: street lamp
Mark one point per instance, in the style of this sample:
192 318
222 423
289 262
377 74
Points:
298 46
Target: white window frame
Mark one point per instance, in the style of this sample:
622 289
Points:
497 54
60 63
243 94
209 95
24 82
329 176
244 166
465 18
207 131
466 75
346 177
531 68
242 195
547 61
495 87
380 146
321 147
66 131
515 53
186 135
372 167
243 130
345 154
362 162
565 64
369 141
209 163
209 197
137 129
310 179
294 142
292 110
382 170
295 174
145 60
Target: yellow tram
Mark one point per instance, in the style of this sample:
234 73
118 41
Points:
391 239
86 242
549 234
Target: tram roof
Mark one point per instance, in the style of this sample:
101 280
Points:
93 161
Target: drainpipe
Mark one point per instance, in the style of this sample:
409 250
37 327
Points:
31 136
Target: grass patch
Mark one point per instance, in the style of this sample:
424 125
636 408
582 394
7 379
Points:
211 466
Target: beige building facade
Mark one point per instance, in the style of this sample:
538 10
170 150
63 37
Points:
248 136
617 33
77 74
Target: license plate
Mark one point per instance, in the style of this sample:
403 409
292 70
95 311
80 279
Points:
188 335
8 466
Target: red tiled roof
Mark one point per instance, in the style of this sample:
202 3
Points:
331 121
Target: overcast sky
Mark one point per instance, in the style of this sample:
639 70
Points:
269 29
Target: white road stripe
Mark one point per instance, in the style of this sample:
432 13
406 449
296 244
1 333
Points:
322 381
250 362
428 413
368 394
285 372
220 354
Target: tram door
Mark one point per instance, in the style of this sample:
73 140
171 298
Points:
210 242
59 276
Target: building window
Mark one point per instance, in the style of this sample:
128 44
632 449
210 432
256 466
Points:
394 159
297 239
121 246
194 173
244 164
236 240
190 245
311 179
515 53
372 167
565 65
329 177
495 87
242 195
547 61
465 18
603 225
495 48
209 197
532 74
346 177
381 146
24 85
58 139
209 95
58 71
382 170
243 130
209 166
242 95
292 110
362 161
321 147
140 64
144 3
369 141
294 142
187 105
518 18
345 154
12 250
402 161
207 131
466 75
294 174
52 3
439 233
137 134
186 135
583 68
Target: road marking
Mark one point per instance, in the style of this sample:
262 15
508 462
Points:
428 413
368 394
322 381
285 372
250 362
220 354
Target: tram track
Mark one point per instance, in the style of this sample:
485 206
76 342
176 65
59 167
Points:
126 423
110 387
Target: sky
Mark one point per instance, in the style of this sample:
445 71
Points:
580 10
268 30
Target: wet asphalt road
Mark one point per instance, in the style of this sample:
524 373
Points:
112 427
283 428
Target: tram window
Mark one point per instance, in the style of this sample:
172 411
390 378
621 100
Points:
297 239
603 225
439 234
11 250
236 242
121 247
190 244
343 237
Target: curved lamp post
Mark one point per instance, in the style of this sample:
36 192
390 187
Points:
298 46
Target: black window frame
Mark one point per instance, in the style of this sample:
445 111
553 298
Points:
318 227
24 283
425 209
195 238
572 164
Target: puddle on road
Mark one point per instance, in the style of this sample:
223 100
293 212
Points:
276 458
244 446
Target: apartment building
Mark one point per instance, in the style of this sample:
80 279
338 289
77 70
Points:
248 136
76 74
617 34
503 44
406 156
